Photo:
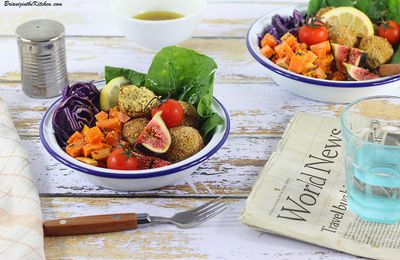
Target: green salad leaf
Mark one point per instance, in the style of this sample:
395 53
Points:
394 9
182 74
134 77
396 56
314 6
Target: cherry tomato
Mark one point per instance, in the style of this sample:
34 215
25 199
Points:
313 33
390 31
119 160
172 112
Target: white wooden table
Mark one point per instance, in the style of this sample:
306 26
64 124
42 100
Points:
259 112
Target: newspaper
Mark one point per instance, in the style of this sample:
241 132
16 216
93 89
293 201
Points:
301 194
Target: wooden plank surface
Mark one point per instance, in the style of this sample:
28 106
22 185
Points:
222 237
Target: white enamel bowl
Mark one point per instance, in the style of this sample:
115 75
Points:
134 180
155 35
316 89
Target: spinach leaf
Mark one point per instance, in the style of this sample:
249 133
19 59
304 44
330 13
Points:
396 56
134 77
185 75
313 7
394 9
181 74
376 10
338 3
209 125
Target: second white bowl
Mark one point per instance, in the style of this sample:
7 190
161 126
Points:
155 35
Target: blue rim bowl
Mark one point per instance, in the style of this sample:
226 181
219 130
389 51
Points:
262 22
49 142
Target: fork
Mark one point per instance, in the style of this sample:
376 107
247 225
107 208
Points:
125 221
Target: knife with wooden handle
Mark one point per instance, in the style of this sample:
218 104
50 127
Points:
95 224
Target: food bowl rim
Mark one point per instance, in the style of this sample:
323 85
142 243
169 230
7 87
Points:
286 73
144 174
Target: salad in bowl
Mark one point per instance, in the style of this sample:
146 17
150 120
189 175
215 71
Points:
330 50
139 131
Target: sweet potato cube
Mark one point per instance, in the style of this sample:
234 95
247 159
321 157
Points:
87 160
88 148
123 117
284 50
112 138
297 64
101 154
84 130
110 124
113 112
267 51
75 137
74 150
269 40
321 49
101 116
94 134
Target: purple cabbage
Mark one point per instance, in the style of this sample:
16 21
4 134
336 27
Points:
281 25
78 106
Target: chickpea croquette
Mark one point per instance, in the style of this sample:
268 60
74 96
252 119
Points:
342 35
136 101
323 11
190 116
185 142
379 50
133 128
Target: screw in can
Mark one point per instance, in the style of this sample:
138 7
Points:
41 45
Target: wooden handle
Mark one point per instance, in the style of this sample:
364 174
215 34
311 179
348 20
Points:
90 224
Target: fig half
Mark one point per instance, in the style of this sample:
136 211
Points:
155 136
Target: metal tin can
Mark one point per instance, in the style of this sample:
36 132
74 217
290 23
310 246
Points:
41 46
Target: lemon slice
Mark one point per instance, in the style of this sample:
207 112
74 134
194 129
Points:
109 94
350 17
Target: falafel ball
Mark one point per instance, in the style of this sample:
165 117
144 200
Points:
342 35
136 101
133 128
379 50
190 116
185 142
323 11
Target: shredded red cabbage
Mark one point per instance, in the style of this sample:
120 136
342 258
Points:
281 25
78 106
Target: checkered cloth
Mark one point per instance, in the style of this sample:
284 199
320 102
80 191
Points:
21 234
